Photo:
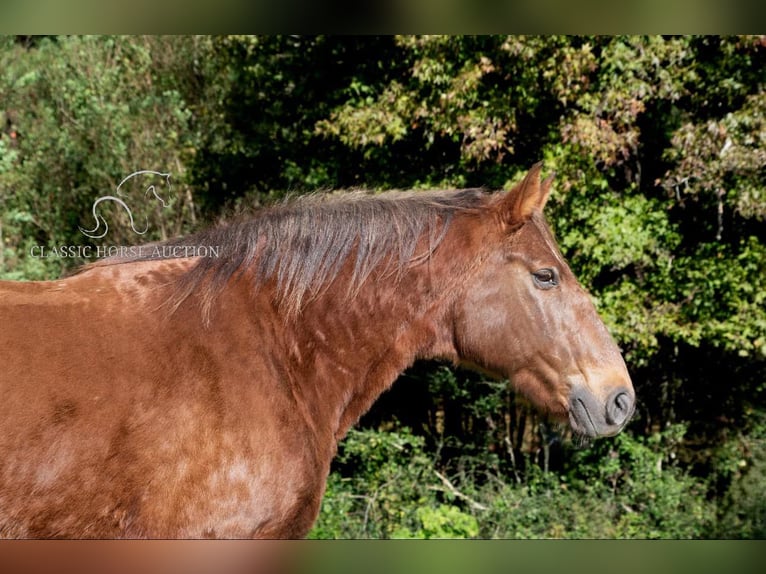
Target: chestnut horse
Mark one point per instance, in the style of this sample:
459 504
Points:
160 395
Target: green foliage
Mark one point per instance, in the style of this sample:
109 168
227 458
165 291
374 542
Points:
380 497
442 521
741 464
626 487
647 493
84 113
622 488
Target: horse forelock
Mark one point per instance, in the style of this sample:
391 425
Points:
304 243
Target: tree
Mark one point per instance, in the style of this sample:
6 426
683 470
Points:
82 114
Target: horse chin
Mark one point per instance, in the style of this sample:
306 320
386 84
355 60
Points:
581 424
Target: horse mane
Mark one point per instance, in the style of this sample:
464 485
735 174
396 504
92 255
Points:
304 242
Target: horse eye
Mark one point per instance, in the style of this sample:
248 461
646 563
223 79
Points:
546 278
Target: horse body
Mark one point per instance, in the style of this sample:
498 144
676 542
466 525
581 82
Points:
220 416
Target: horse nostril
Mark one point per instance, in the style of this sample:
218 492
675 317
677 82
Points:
619 408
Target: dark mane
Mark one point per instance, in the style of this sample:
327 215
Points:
304 242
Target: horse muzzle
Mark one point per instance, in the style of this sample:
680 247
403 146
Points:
594 417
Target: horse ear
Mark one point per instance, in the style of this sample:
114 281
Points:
528 197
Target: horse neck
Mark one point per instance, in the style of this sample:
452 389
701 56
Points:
348 350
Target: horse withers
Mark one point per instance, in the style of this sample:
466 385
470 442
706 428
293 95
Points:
159 395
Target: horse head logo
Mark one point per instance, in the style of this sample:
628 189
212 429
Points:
96 234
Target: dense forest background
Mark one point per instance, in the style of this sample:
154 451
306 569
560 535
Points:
659 145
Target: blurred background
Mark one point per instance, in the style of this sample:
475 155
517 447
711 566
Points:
659 146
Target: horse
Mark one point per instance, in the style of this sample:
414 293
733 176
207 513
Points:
163 393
